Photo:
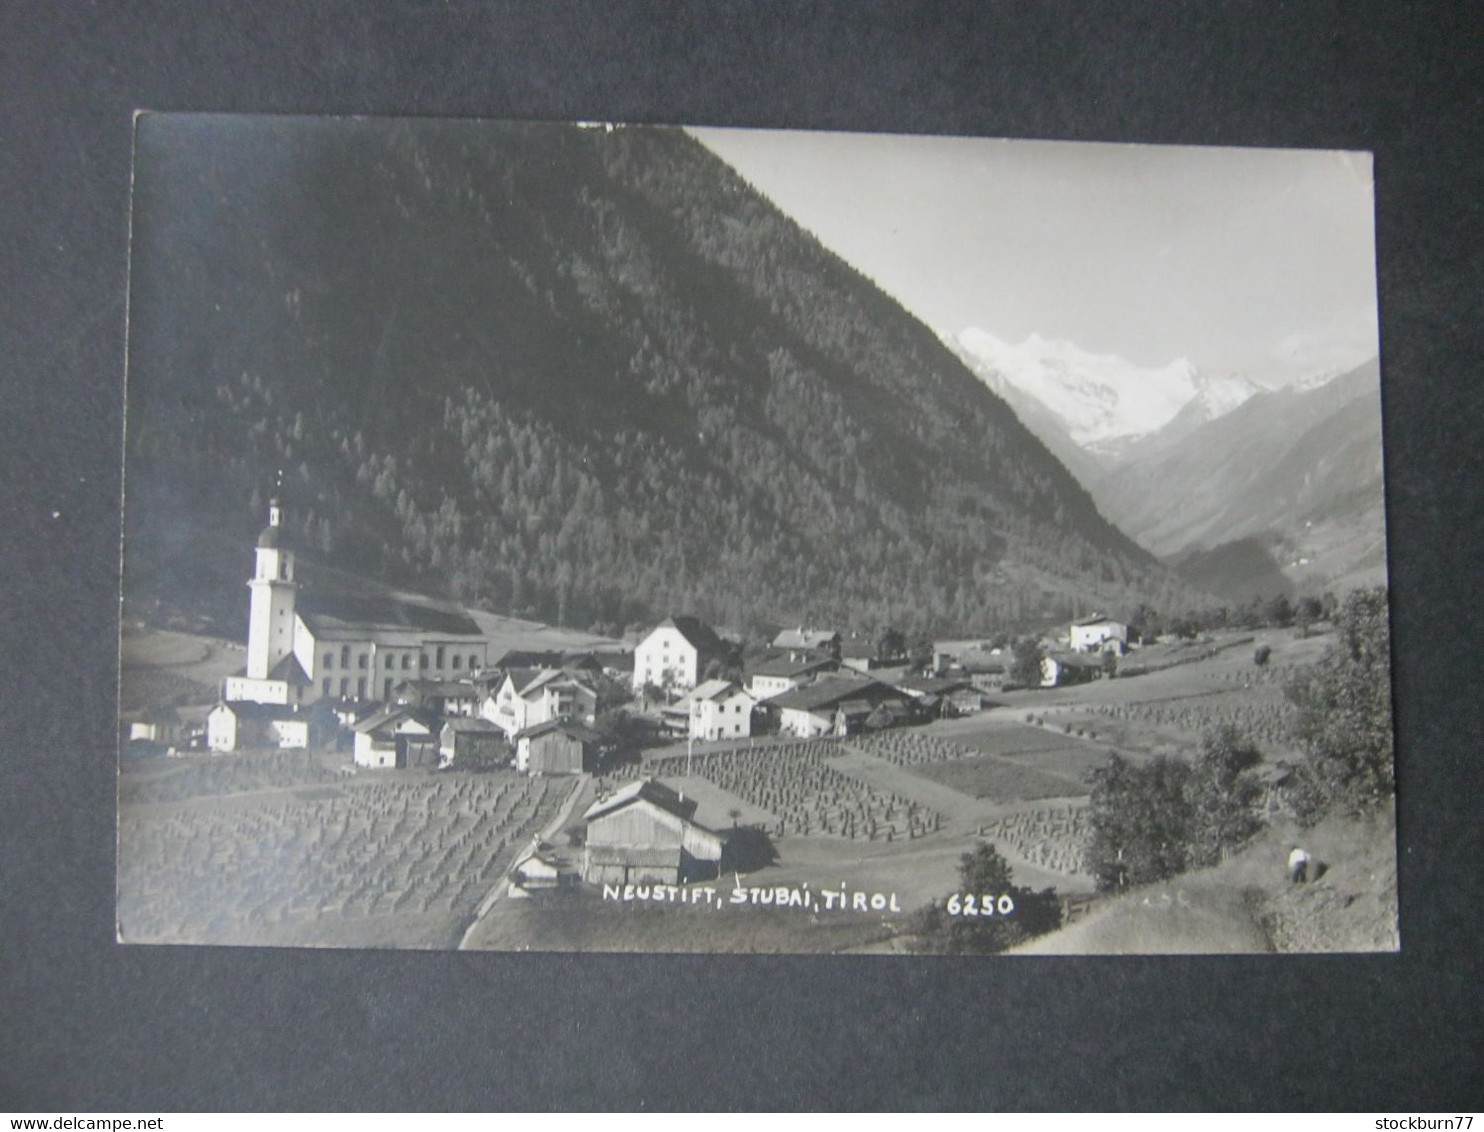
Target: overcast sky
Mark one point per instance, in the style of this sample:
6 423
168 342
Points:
1244 260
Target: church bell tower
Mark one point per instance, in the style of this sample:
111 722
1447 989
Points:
270 625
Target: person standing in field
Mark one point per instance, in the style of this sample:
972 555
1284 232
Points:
1298 865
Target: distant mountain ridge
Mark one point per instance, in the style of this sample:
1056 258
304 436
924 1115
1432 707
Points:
1247 489
1283 459
1102 402
580 374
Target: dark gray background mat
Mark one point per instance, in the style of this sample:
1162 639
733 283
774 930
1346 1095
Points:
88 1025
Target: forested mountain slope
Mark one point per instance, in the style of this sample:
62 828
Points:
583 374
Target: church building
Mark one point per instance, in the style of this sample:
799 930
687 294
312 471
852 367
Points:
311 646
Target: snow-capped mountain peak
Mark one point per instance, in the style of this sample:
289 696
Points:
1100 399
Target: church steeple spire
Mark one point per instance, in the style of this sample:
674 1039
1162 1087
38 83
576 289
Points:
270 626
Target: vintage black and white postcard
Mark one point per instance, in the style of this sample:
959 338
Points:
623 538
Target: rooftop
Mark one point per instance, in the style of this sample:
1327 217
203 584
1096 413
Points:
700 635
827 692
646 790
340 614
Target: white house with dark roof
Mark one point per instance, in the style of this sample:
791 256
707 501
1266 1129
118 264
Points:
779 674
815 709
529 696
675 653
1060 668
714 709
1098 634
802 643
396 738
234 725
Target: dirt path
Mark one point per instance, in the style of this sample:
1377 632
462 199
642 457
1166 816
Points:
502 883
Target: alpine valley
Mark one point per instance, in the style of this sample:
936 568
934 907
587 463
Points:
587 375
1247 487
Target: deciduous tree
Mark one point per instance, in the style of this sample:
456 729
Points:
1344 714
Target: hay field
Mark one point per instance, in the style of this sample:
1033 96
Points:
399 860
795 782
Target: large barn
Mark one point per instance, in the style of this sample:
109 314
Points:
644 834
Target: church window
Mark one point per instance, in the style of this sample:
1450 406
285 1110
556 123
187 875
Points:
439 662
386 692
329 660
345 685
344 656
406 661
457 660
422 660
473 660
361 662
326 686
361 687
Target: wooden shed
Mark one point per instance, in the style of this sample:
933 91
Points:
558 746
477 741
643 834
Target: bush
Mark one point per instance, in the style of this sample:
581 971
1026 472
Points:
1260 655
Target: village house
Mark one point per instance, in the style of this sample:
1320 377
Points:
397 738
983 663
153 725
645 834
805 644
527 697
866 655
716 709
1061 668
237 724
323 645
557 746
779 674
1098 634
941 696
580 663
446 697
816 709
477 741
675 654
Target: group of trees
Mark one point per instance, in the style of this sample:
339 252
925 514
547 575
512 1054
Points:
1152 821
1277 612
1344 721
